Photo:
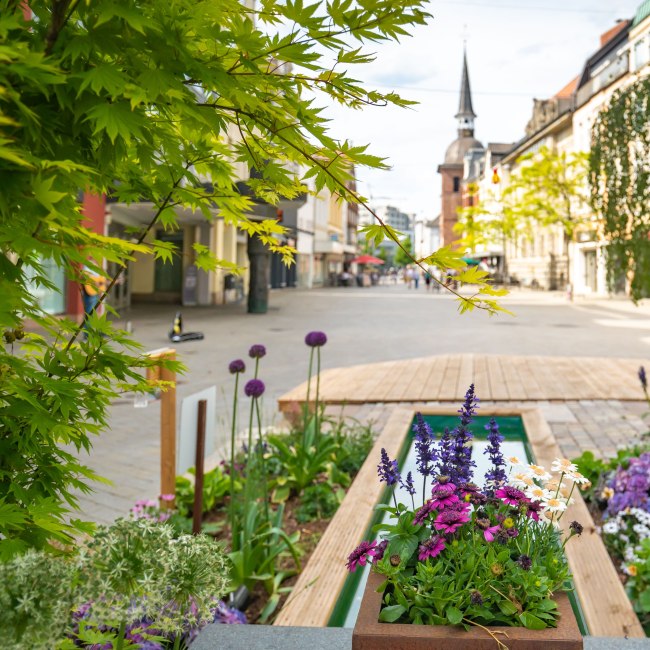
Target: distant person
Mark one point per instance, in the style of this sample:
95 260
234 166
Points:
91 291
428 279
416 277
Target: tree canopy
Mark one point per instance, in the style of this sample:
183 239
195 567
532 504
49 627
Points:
145 101
620 185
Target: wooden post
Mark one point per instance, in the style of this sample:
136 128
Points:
198 467
167 425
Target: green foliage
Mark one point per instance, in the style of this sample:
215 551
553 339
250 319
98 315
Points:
216 485
638 584
156 102
319 501
404 255
132 570
620 184
300 463
547 188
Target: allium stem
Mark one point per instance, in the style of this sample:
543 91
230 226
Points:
257 367
307 408
232 462
262 460
317 424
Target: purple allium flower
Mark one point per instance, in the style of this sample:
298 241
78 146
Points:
533 509
643 379
361 555
254 388
448 521
525 562
387 469
461 463
576 528
316 339
236 366
442 499
510 495
423 513
496 476
425 453
228 615
408 484
431 548
257 351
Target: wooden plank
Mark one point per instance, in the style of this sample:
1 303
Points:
498 388
313 598
431 386
528 376
167 429
413 387
516 376
605 606
465 375
449 384
481 378
397 389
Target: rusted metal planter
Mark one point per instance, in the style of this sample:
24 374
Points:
369 634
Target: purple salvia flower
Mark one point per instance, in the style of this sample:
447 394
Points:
643 379
254 388
388 470
316 339
257 351
228 615
461 453
443 467
424 447
408 484
496 476
236 366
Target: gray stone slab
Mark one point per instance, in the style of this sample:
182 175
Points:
268 637
260 637
557 413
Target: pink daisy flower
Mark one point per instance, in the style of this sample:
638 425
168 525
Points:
449 521
431 548
361 555
510 495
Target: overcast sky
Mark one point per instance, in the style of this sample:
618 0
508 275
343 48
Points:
517 50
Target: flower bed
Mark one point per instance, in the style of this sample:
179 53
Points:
272 499
470 555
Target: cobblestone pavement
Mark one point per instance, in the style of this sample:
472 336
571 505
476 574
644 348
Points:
363 325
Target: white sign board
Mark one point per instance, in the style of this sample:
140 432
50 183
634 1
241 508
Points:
186 451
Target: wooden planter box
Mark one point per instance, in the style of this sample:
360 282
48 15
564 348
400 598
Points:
369 634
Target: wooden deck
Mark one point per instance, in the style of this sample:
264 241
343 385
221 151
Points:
606 609
496 378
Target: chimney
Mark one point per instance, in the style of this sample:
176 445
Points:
613 32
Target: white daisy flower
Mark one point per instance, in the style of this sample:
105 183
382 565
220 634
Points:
555 505
563 465
522 480
538 472
538 493
513 460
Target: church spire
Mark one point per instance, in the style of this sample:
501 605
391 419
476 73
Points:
466 114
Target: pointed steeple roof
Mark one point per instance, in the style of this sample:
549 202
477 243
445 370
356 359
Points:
465 105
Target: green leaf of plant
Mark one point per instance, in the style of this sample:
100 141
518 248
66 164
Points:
531 621
391 613
454 615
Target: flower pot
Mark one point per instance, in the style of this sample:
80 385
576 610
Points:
369 634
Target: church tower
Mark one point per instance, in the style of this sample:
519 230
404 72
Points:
452 169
